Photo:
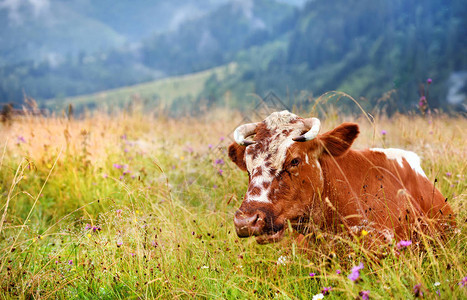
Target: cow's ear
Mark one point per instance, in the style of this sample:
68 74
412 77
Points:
337 141
237 155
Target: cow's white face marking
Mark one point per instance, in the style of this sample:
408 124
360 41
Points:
398 154
273 151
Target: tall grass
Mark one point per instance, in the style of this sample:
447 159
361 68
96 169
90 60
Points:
139 205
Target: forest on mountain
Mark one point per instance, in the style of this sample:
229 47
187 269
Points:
365 48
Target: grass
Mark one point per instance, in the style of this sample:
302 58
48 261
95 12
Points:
161 92
134 205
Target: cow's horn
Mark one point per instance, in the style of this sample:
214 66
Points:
244 131
314 125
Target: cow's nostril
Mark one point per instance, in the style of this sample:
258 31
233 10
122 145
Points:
248 225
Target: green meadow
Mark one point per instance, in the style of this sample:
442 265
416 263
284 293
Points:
159 94
139 205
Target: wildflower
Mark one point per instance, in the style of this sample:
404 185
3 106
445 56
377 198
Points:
282 260
70 262
448 174
189 149
318 296
125 150
210 146
364 232
384 132
119 212
326 290
438 293
312 274
417 290
429 80
105 175
121 177
56 262
87 227
117 166
215 186
154 244
119 244
123 137
338 272
221 138
132 254
20 140
365 295
219 161
403 244
204 267
355 272
96 228
126 172
220 171
463 282
182 157
437 283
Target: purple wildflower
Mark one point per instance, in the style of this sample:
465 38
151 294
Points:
355 272
219 161
384 132
438 293
119 244
338 272
221 138
123 137
118 166
21 139
126 172
132 254
326 290
417 290
463 282
87 227
448 174
365 295
403 244
125 150
119 212
210 146
312 274
220 171
96 228
70 262
215 186
429 80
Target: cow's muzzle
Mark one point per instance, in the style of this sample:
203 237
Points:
249 224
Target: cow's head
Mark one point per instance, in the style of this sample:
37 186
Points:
285 177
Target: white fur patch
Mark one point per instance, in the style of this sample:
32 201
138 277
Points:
278 119
278 145
412 158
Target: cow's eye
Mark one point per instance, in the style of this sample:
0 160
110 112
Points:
295 162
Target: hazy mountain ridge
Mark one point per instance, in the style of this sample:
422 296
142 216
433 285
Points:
364 48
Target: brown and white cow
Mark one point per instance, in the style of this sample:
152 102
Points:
316 181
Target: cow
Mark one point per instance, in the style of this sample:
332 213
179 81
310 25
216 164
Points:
315 181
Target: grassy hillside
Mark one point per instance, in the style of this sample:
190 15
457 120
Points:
160 93
141 206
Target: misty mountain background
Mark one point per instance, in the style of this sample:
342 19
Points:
367 48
